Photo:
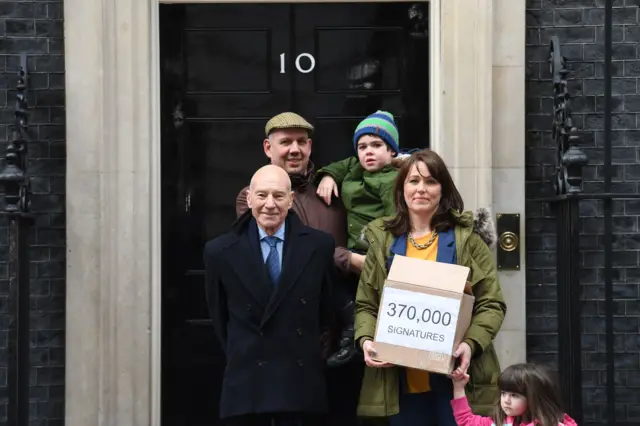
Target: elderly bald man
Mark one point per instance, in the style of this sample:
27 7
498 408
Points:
268 284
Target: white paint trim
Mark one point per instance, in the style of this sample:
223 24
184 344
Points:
435 75
508 162
155 414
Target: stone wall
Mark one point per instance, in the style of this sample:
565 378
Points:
36 28
579 24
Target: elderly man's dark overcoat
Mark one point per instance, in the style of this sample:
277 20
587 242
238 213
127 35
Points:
271 333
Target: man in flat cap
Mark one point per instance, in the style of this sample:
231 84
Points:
287 144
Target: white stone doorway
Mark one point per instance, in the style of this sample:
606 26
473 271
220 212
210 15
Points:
113 180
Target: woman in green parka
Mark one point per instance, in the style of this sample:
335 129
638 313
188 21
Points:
430 224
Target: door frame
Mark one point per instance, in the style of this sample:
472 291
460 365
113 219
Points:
113 303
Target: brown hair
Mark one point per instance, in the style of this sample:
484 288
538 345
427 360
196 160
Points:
544 405
450 198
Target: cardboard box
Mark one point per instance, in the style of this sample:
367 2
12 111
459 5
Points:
424 314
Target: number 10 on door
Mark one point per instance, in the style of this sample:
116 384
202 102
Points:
309 65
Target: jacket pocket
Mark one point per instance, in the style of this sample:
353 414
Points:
483 399
485 370
372 392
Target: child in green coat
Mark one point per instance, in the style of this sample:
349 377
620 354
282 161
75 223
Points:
366 187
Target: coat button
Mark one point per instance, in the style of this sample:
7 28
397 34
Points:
303 301
300 363
299 332
261 333
249 307
260 363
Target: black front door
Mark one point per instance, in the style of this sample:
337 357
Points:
225 70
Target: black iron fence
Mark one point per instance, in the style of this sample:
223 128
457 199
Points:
14 181
566 204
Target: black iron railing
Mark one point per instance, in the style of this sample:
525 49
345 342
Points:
568 184
15 207
566 203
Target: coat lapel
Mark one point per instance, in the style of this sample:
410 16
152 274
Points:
446 247
297 253
246 259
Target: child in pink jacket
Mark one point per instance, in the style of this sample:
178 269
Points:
528 397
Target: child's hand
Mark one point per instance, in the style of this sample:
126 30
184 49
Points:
327 188
458 385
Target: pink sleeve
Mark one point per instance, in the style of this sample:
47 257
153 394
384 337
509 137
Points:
464 416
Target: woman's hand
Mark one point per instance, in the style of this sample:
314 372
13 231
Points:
369 351
463 353
356 262
327 188
458 386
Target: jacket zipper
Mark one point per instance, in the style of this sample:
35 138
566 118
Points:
374 244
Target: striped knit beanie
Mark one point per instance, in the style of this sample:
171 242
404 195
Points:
381 124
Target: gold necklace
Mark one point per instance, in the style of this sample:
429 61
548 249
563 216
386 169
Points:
425 245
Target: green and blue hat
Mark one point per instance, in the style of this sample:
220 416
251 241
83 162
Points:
381 124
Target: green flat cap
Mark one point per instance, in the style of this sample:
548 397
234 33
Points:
287 120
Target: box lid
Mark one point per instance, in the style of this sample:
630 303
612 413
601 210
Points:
426 273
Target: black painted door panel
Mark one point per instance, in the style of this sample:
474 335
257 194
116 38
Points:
225 70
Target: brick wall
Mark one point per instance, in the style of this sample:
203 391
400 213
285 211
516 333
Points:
579 24
35 27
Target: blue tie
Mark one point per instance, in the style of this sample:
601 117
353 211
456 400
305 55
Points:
273 259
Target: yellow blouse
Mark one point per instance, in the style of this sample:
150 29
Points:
418 380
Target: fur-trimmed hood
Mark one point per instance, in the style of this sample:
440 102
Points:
482 223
